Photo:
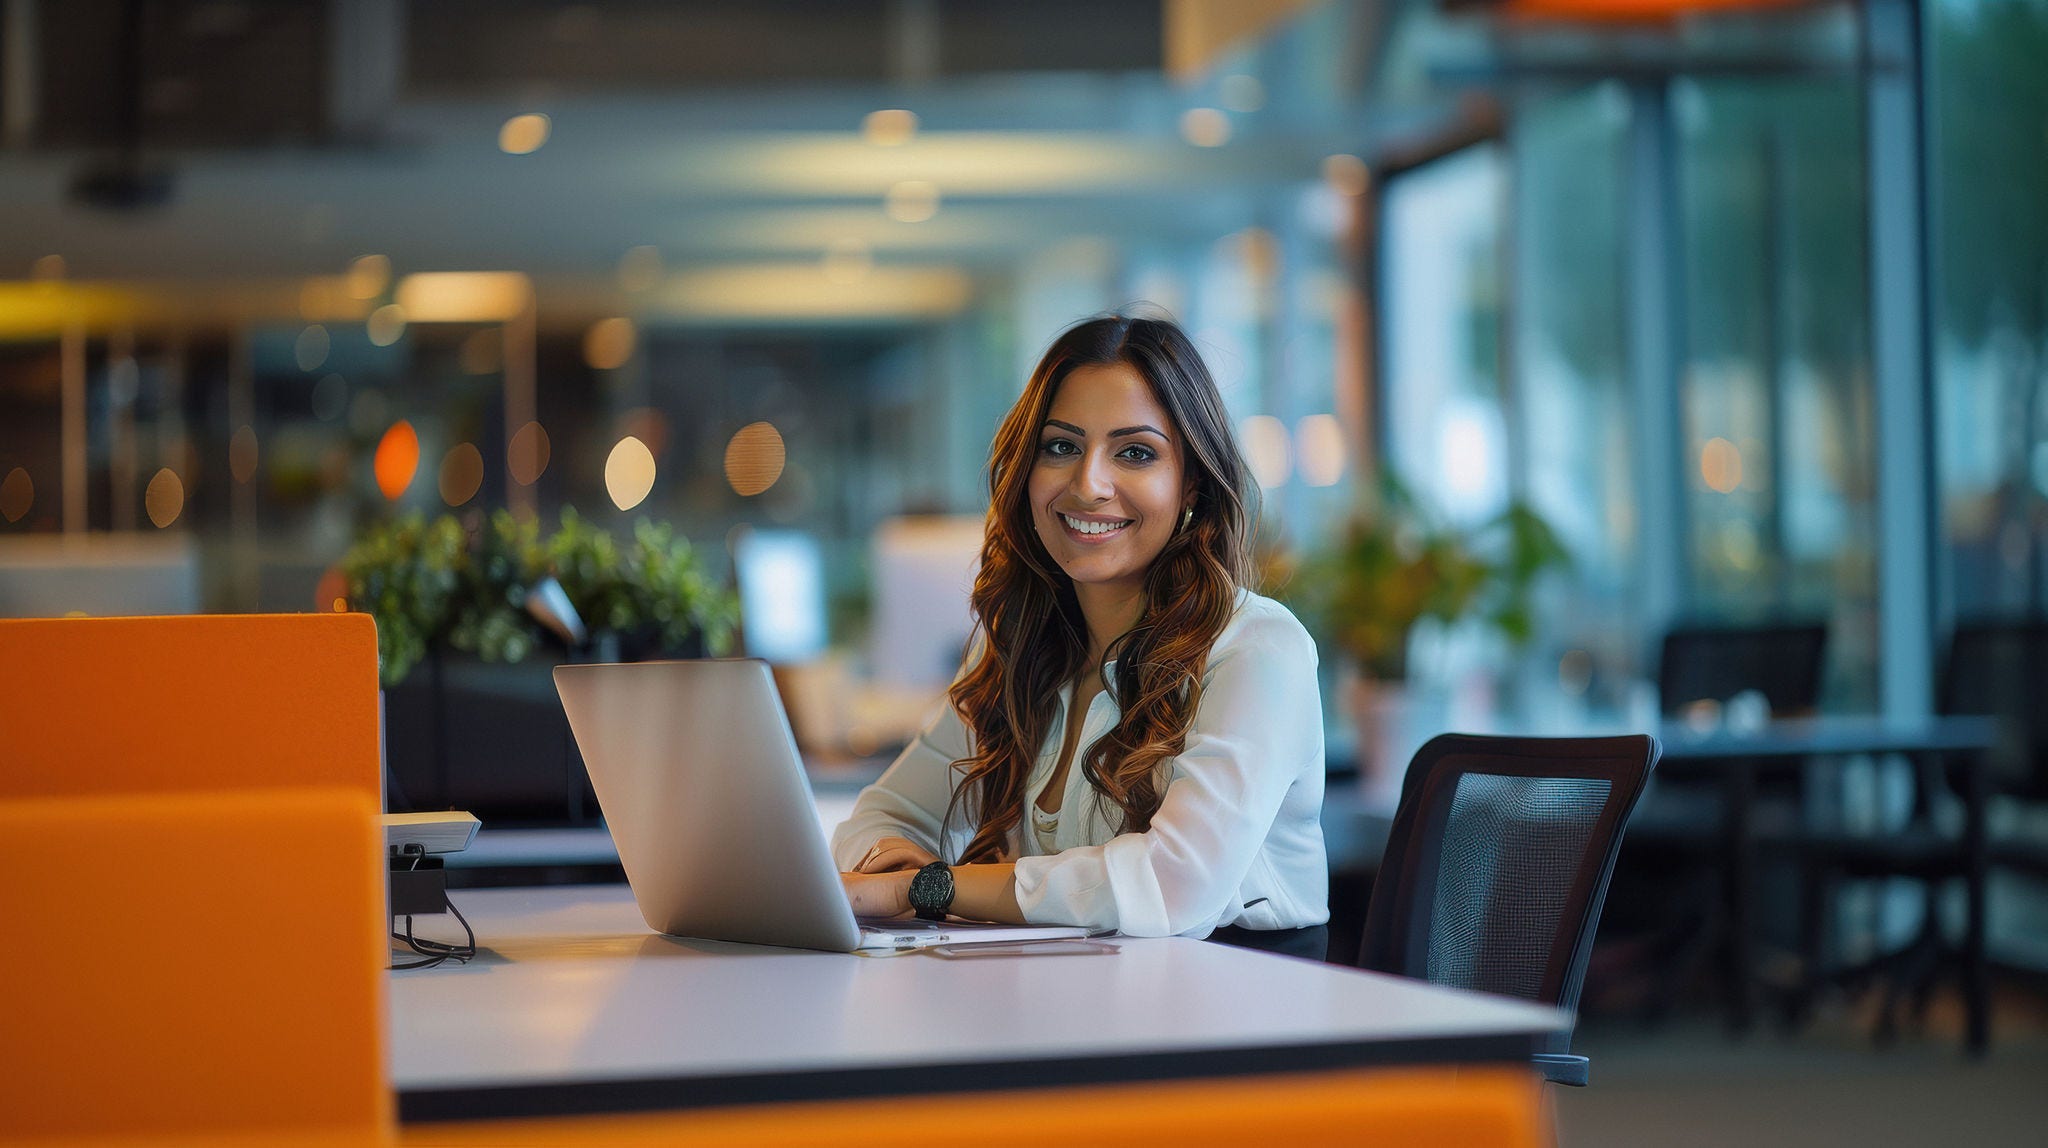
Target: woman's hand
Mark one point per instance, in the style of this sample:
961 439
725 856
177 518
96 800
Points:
894 855
879 894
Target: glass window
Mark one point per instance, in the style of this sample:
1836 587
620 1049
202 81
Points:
1988 95
1776 393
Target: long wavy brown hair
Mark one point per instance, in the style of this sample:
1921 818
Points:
1034 640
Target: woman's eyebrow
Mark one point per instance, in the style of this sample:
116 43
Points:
1070 428
1119 432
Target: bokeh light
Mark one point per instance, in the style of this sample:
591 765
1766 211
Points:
1265 448
890 127
1347 174
608 345
397 459
164 498
1720 465
912 201
311 348
369 276
629 473
527 454
386 324
1205 127
1319 445
524 134
462 474
17 495
754 458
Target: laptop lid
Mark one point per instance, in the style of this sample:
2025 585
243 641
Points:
699 780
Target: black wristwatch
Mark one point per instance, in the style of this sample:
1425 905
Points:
931 891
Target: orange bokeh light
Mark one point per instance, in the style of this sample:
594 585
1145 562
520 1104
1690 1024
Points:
398 459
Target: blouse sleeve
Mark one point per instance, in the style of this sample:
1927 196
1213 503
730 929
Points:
1257 727
909 800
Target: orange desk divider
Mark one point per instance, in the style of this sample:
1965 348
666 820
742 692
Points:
1498 1107
201 968
150 705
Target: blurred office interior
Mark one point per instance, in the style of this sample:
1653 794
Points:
1741 306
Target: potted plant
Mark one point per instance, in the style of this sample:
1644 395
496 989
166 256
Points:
1394 564
466 602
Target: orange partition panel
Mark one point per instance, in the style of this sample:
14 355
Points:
1500 1107
120 705
205 965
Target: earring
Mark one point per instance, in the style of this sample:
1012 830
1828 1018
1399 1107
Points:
1187 516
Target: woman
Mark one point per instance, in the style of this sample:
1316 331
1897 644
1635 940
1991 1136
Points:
1186 798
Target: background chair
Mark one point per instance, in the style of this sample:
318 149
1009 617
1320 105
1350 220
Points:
1782 662
1676 904
1498 864
1995 668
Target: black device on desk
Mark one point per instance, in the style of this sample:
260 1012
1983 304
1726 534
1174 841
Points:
418 879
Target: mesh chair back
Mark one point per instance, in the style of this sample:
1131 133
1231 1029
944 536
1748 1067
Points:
2000 669
1701 663
1498 862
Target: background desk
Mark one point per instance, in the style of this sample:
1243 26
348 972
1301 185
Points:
575 1007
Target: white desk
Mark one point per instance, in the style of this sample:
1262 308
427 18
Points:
574 1006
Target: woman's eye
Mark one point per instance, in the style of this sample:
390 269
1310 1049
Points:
1060 447
1138 453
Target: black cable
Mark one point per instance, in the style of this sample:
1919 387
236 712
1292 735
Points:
435 952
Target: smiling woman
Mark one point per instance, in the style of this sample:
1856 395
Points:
1157 722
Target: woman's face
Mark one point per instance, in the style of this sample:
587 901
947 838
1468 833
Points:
1107 486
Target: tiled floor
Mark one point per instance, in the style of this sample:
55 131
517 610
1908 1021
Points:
1689 1084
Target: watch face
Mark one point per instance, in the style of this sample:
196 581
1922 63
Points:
931 890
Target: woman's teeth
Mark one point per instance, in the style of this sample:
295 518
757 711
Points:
1079 526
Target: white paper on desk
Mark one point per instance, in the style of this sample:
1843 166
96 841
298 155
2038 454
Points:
886 934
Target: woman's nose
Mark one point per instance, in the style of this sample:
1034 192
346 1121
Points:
1092 478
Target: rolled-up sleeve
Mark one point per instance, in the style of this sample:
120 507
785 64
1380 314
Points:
1257 729
909 800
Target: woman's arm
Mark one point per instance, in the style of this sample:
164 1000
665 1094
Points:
980 893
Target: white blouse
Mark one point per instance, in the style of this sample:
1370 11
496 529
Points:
1238 839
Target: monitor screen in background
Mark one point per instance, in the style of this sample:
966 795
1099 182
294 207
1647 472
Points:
782 594
924 569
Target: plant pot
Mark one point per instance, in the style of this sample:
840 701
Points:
1389 719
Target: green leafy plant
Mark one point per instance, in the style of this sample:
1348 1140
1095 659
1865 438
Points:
505 561
1395 564
407 574
433 582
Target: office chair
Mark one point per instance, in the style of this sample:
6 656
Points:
1497 866
1994 668
1677 899
1714 663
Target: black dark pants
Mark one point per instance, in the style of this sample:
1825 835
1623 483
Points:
1312 943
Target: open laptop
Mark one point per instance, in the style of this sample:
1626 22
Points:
699 780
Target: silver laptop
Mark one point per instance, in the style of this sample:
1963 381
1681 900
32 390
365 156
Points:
700 783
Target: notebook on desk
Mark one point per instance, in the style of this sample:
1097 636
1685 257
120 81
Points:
699 779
